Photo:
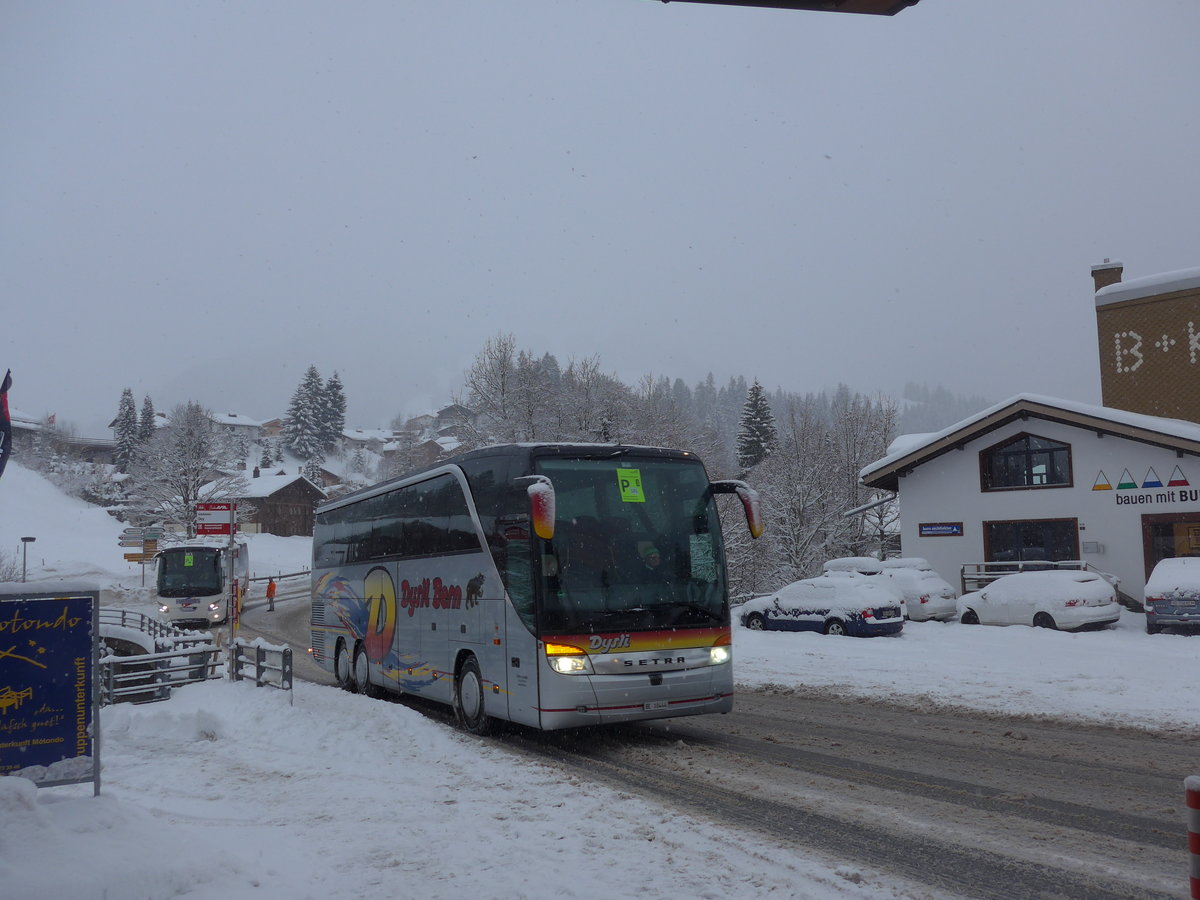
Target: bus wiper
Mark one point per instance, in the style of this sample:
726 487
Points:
697 608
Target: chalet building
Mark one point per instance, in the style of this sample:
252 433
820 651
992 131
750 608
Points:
284 504
239 425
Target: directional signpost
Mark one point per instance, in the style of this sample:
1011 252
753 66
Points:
146 542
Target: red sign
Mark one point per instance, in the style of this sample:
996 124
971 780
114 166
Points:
216 518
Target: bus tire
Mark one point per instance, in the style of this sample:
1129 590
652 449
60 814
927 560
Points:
341 667
360 674
469 698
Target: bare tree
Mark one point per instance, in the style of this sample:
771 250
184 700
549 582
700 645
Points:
184 462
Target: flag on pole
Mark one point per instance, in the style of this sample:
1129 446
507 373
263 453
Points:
5 421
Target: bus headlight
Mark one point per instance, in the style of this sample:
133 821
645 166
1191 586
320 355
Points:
718 655
163 608
568 660
213 607
570 665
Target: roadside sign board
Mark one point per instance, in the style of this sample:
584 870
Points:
139 557
50 726
215 518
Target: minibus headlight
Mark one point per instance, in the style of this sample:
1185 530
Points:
718 655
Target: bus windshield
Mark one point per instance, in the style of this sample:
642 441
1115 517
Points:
189 572
637 546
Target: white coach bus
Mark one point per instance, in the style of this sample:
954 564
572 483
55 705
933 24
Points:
552 585
192 581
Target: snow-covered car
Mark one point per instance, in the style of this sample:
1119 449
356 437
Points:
866 567
926 594
1173 594
831 604
1068 599
923 593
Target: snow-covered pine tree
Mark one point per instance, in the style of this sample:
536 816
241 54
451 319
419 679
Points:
312 470
333 413
126 431
757 433
302 426
147 421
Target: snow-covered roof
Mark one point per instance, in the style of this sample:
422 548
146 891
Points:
25 420
1149 286
267 485
235 420
368 434
904 455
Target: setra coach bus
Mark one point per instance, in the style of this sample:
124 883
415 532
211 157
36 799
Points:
551 585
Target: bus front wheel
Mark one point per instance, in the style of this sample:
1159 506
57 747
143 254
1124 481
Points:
468 697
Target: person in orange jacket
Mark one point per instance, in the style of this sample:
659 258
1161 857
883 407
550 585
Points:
271 594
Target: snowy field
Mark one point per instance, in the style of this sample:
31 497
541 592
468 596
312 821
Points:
227 791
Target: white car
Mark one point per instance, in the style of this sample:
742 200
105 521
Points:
831 604
1069 599
926 594
923 593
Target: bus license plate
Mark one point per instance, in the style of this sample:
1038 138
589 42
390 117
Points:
655 704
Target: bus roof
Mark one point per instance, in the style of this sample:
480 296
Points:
521 450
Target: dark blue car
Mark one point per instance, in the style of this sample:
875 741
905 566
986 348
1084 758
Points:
831 604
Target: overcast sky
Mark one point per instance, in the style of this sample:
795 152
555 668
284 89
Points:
198 200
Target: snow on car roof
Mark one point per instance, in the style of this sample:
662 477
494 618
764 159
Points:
1179 573
861 591
1051 584
907 562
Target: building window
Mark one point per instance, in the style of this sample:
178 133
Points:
1031 540
1026 461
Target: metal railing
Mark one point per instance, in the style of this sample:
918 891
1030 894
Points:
271 665
156 628
151 676
974 576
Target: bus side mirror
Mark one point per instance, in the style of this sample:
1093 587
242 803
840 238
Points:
751 504
541 503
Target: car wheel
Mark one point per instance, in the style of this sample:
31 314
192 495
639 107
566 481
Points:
970 617
835 627
1044 620
341 667
468 698
756 622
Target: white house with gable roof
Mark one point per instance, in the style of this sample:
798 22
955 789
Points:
1036 478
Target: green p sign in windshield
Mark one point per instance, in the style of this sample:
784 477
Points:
630 481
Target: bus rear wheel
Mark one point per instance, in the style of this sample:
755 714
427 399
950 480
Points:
361 674
468 698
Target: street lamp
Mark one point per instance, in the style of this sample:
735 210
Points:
25 542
